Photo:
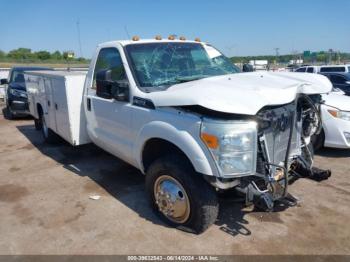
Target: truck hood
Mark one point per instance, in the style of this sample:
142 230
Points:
242 93
334 99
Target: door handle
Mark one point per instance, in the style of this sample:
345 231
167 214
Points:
56 106
48 102
88 104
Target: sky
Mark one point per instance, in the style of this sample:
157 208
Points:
253 27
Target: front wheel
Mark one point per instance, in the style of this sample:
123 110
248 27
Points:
180 196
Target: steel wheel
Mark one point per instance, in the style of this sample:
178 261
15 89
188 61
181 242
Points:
44 127
172 199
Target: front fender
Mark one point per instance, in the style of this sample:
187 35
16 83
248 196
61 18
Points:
198 155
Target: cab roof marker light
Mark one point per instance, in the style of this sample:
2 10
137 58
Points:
135 38
197 39
182 38
171 37
158 37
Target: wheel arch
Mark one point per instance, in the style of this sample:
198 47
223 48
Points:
158 138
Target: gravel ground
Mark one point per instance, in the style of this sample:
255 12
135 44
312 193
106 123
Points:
45 207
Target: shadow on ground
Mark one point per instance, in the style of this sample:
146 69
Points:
333 152
126 183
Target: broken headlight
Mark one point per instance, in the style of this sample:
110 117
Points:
233 145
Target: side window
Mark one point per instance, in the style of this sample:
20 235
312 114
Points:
302 69
109 59
310 69
336 79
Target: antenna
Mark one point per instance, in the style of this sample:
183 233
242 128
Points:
79 40
126 31
277 52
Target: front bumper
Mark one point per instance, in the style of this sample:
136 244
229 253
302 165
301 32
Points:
335 130
18 107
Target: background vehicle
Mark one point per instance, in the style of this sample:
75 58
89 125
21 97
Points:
15 92
335 114
308 69
340 80
334 68
181 113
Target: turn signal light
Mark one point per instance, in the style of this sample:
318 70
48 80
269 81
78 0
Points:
210 140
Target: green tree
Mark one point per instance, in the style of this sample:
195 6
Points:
20 53
2 54
43 55
56 55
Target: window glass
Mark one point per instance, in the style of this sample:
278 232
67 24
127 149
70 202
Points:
310 69
17 77
332 69
109 59
302 69
336 79
159 65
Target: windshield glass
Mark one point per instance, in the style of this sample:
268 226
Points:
159 65
17 77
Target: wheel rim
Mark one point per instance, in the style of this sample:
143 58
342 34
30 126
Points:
171 199
45 129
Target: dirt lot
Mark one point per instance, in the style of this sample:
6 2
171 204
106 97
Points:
45 207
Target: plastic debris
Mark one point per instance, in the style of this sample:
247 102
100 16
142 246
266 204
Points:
95 197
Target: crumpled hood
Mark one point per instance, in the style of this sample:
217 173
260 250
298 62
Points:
243 93
334 99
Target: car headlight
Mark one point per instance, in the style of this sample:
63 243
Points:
18 93
233 145
340 114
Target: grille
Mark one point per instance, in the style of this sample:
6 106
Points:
274 131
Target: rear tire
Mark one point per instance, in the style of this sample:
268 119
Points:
192 205
38 124
48 135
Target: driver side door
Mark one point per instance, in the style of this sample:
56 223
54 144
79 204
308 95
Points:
108 119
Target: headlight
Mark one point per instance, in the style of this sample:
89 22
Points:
340 114
18 93
233 145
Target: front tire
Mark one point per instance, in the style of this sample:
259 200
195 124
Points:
180 196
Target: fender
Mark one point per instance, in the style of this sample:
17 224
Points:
184 140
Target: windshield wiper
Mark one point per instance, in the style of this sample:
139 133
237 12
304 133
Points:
188 79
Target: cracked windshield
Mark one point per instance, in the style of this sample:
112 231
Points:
160 65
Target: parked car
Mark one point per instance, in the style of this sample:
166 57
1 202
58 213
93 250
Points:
181 113
308 69
334 68
335 114
15 92
340 81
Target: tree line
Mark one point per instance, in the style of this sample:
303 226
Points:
27 55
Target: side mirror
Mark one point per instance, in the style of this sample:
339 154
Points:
108 88
3 81
347 82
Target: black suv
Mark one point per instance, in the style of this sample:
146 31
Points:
16 94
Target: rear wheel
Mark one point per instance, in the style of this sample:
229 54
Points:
48 135
180 196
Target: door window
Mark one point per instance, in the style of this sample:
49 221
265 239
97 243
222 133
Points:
336 79
310 69
109 59
302 69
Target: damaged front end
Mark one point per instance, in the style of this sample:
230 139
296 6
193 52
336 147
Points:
284 152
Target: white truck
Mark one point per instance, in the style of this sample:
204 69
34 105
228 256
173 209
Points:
185 116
